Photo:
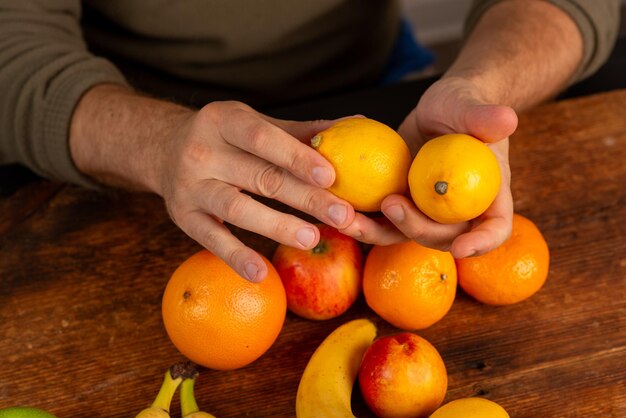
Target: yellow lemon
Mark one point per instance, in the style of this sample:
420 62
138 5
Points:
371 161
470 408
454 178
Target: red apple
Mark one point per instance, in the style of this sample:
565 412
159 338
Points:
323 282
402 375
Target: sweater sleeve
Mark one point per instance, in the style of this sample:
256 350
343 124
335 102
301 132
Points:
45 68
597 20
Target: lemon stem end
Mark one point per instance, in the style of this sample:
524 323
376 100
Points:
441 187
316 141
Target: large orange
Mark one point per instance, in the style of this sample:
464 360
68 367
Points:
218 319
371 161
512 272
409 285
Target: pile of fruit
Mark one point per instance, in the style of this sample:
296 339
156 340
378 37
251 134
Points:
454 178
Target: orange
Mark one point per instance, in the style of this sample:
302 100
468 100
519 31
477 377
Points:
512 272
408 285
371 161
218 319
454 178
470 408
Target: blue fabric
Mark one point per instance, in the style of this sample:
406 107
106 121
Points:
406 57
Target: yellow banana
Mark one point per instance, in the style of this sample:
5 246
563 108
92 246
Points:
160 408
325 388
188 405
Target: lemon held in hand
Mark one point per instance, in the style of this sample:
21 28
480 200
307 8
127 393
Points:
454 178
371 161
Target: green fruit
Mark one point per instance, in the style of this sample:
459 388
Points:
24 412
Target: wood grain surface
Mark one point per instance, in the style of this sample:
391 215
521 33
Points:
82 274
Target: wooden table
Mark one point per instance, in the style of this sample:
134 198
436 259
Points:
82 274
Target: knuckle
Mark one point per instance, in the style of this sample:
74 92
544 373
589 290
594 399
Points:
232 206
417 234
235 256
196 153
209 239
309 201
297 158
259 136
270 181
279 230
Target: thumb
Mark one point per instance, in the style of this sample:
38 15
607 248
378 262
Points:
487 122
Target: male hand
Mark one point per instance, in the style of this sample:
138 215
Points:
227 148
455 105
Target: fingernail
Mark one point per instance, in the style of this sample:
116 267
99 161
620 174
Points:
322 176
338 213
305 236
252 271
395 213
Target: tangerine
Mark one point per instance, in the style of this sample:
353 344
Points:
514 271
454 178
217 318
409 285
371 161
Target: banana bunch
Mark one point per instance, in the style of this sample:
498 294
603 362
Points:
325 388
183 375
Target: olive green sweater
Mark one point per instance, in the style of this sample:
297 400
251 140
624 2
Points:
271 51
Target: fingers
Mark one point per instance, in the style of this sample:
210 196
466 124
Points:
487 236
417 226
258 136
455 105
377 231
489 230
265 179
228 203
216 238
489 123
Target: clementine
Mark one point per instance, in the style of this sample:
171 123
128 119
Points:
409 285
454 178
371 161
510 273
218 319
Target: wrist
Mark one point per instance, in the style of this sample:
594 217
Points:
121 139
520 53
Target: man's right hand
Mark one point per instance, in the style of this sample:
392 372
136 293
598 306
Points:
227 148
203 162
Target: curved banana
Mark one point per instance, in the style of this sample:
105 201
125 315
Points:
188 405
176 374
160 408
325 388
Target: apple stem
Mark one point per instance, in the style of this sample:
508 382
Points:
319 248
